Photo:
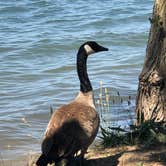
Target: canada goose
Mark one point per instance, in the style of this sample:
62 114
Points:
73 127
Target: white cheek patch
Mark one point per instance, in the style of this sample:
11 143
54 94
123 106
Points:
88 49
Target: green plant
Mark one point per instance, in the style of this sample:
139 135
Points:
114 137
147 134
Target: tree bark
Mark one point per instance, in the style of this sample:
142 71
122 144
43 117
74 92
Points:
151 95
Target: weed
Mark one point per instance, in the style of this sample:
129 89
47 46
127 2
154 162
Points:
146 134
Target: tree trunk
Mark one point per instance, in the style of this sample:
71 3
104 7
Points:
151 95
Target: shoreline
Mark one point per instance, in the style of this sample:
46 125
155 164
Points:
123 156
117 156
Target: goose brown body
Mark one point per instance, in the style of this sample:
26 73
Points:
73 127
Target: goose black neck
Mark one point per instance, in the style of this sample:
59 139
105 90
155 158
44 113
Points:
85 84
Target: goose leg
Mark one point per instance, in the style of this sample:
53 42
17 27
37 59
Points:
81 156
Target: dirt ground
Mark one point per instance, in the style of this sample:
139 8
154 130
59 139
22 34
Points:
128 156
123 156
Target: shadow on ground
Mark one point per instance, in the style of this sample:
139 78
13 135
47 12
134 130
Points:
103 161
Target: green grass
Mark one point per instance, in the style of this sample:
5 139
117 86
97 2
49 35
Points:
147 134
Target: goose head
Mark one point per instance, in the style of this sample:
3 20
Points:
91 47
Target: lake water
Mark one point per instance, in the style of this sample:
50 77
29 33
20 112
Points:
38 45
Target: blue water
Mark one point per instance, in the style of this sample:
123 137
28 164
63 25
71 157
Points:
38 45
